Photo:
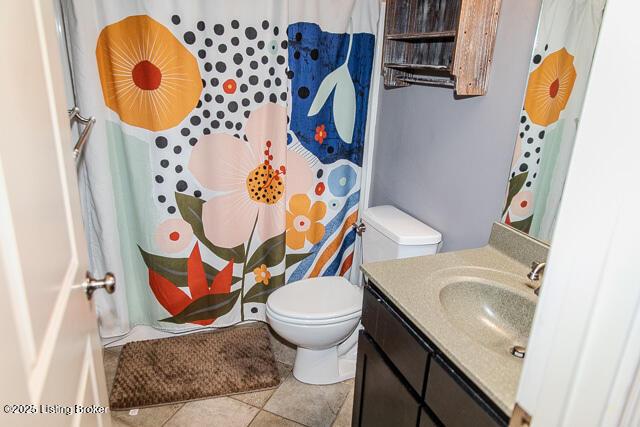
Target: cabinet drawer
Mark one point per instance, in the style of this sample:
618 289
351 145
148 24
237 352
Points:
454 403
382 398
407 351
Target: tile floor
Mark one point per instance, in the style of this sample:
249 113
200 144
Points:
291 404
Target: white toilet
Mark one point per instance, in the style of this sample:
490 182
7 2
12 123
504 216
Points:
321 315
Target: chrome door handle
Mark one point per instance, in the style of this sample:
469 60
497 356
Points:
108 283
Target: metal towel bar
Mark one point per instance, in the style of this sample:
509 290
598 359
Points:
74 114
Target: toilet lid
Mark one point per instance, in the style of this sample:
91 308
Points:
317 298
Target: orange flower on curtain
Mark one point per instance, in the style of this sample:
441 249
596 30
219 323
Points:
303 221
549 87
262 274
148 77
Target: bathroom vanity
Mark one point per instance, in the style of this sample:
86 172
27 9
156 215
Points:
403 379
438 335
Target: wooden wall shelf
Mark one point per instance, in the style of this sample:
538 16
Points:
423 36
445 43
417 67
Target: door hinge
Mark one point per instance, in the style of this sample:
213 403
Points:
519 417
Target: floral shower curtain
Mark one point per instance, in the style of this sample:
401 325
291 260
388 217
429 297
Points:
560 65
226 158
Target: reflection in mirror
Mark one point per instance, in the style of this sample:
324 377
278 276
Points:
558 75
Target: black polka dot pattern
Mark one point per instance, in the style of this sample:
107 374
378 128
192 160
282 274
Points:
189 37
251 33
243 66
303 92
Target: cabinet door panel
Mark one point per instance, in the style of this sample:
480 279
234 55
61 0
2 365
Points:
405 350
452 402
381 397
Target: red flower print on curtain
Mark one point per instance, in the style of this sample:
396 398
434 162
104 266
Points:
206 303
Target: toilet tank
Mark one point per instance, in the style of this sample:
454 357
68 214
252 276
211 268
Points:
392 234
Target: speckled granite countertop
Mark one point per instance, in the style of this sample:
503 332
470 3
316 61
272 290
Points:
414 285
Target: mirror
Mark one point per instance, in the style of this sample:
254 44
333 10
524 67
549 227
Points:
557 81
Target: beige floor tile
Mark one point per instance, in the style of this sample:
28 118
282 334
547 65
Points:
283 351
311 405
218 412
284 370
110 360
344 416
146 417
259 398
267 419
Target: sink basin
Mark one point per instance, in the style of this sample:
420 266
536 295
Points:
497 317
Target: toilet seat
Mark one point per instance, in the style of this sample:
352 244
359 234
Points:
313 322
316 301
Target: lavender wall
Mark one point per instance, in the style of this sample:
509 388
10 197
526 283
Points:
446 160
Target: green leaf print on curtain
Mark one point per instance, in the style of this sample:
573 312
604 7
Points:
191 210
260 292
270 253
205 308
515 185
175 269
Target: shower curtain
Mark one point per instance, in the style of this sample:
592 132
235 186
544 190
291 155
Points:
559 72
227 154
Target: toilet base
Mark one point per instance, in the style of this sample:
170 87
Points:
323 366
328 366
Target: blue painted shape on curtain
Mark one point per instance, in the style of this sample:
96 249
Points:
331 74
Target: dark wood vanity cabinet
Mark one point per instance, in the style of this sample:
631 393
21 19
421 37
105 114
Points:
384 398
402 379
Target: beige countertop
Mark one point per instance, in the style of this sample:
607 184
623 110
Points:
414 284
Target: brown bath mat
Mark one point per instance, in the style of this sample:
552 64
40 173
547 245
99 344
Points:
191 367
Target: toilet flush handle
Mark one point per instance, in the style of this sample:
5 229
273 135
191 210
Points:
360 228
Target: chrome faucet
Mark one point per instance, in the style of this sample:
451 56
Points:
535 274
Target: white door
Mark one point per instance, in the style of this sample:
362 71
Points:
50 354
